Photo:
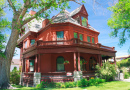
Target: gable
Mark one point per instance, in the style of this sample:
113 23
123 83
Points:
83 10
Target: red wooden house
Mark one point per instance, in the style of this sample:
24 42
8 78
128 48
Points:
66 49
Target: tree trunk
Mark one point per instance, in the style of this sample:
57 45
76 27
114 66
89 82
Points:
4 74
9 52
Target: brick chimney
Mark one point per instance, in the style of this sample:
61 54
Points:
45 22
32 12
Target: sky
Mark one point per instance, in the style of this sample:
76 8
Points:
98 16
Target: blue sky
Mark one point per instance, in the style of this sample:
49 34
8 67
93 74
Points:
98 19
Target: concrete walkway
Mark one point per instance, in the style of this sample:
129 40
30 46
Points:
126 80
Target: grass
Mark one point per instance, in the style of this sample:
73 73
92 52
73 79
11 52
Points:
114 85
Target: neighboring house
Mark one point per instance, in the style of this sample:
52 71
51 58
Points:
45 47
14 63
119 58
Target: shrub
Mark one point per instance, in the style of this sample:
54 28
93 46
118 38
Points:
107 71
43 84
52 84
126 75
59 84
15 76
84 82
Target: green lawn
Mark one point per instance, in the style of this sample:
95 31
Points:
114 85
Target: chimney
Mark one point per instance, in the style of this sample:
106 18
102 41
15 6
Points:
32 12
45 22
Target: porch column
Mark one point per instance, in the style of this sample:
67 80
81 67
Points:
114 60
39 63
75 62
79 61
23 64
36 63
100 59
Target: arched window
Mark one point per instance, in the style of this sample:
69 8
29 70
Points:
60 64
92 63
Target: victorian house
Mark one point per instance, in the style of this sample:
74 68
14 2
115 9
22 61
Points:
65 49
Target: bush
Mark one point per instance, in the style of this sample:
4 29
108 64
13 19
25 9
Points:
126 75
15 76
59 84
107 71
43 84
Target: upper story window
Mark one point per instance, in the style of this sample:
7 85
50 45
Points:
84 21
60 35
75 35
31 65
78 20
25 44
93 41
32 41
88 38
81 37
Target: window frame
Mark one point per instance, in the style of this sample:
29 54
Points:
31 40
76 33
82 21
61 38
25 44
60 63
32 65
82 37
89 39
93 39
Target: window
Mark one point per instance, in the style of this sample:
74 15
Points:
88 38
25 44
60 35
75 35
84 21
92 40
78 20
60 64
81 37
92 63
32 41
31 65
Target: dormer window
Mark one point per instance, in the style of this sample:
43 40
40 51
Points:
78 20
84 21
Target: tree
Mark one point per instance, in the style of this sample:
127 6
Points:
120 21
43 7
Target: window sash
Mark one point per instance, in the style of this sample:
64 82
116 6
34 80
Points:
25 44
32 41
81 37
93 41
88 38
75 35
84 21
60 35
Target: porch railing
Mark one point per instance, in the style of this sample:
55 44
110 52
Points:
73 41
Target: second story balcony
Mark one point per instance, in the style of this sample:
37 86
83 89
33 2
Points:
73 45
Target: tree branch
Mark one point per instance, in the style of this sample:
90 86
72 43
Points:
41 11
13 7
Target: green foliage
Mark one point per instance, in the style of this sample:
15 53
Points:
15 76
4 23
126 75
81 83
124 63
120 21
107 71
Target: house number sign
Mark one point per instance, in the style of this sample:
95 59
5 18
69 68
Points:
68 74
